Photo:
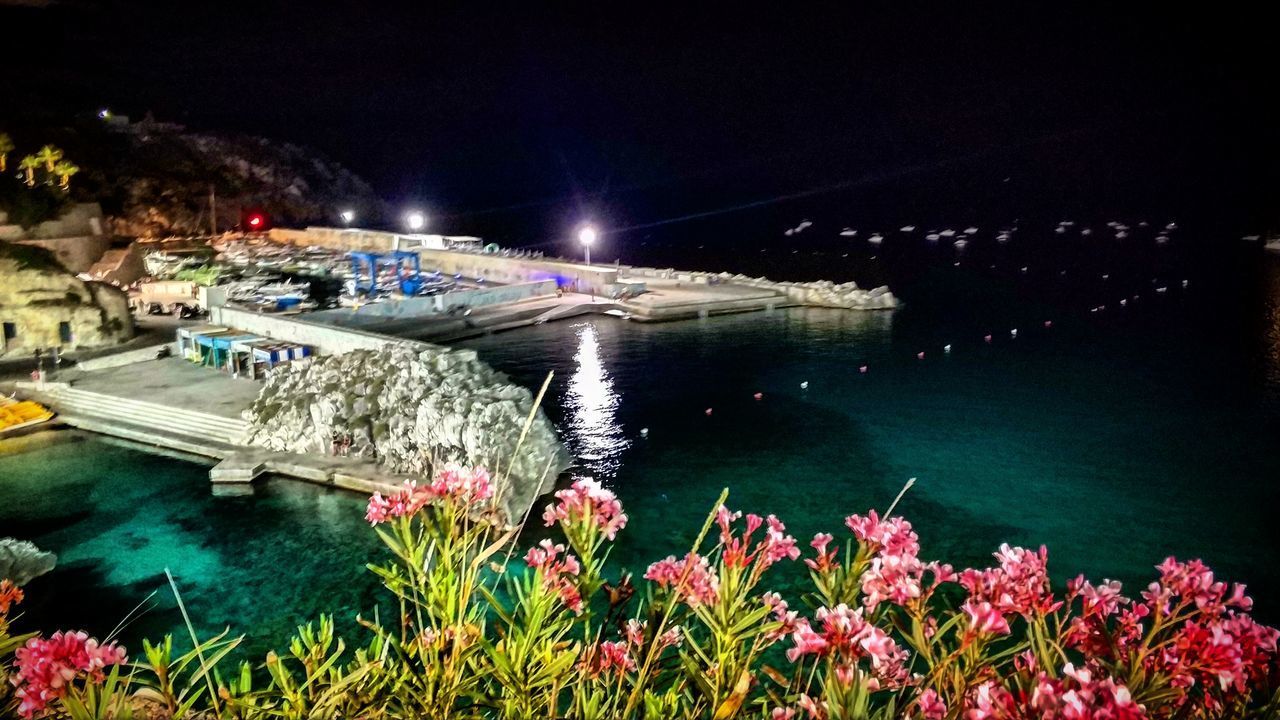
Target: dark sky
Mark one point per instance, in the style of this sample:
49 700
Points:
489 105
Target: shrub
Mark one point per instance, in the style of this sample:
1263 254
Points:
881 634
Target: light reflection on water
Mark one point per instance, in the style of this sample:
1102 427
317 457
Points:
594 434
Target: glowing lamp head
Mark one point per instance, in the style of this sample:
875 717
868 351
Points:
104 114
416 221
347 216
587 236
255 221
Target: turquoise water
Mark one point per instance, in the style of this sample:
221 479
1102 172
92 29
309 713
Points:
1115 438
118 516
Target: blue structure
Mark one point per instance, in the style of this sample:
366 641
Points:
408 276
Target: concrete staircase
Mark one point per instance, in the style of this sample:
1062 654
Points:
187 430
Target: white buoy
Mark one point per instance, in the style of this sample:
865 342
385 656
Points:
970 230
932 237
804 385
644 432
1013 333
907 228
948 233
875 239
946 348
848 232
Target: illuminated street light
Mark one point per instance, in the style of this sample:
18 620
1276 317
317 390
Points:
587 236
416 221
348 216
104 114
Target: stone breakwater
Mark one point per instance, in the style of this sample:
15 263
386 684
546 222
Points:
818 293
410 410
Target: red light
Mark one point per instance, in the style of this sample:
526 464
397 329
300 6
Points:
255 220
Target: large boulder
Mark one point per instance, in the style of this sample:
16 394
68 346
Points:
411 411
22 562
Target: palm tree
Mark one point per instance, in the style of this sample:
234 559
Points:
64 170
6 147
49 155
29 165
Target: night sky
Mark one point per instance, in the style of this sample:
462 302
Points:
506 109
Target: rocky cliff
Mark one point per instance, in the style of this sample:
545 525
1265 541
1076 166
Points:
153 178
42 305
410 411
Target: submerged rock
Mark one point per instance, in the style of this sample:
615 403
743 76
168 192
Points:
22 562
410 411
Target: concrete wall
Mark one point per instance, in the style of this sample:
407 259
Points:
326 339
503 269
407 308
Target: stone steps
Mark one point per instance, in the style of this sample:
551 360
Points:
190 424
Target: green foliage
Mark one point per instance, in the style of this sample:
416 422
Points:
30 206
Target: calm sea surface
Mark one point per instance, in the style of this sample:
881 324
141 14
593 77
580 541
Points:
1115 436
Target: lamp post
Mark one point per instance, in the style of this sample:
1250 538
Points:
348 217
587 236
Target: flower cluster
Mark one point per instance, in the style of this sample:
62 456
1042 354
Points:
586 503
46 668
558 569
895 573
1077 695
1020 585
635 633
846 637
738 551
452 484
607 658
690 579
10 595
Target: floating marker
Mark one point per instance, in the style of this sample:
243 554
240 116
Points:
1013 333
987 338
1185 283
804 385
946 348
863 369
1048 323
708 411
1123 302
920 355
758 396
644 432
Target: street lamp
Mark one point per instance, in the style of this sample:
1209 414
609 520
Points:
416 221
587 236
348 216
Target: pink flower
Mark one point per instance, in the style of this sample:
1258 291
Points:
779 713
931 706
847 637
454 483
824 561
738 551
45 668
463 485
690 579
586 503
607 658
557 567
1020 585
985 619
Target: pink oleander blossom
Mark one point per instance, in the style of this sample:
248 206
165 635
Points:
45 668
930 706
985 619
1020 585
738 551
585 502
607 658
558 569
690 579
453 483
845 636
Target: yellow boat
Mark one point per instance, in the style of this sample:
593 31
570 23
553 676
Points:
18 414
